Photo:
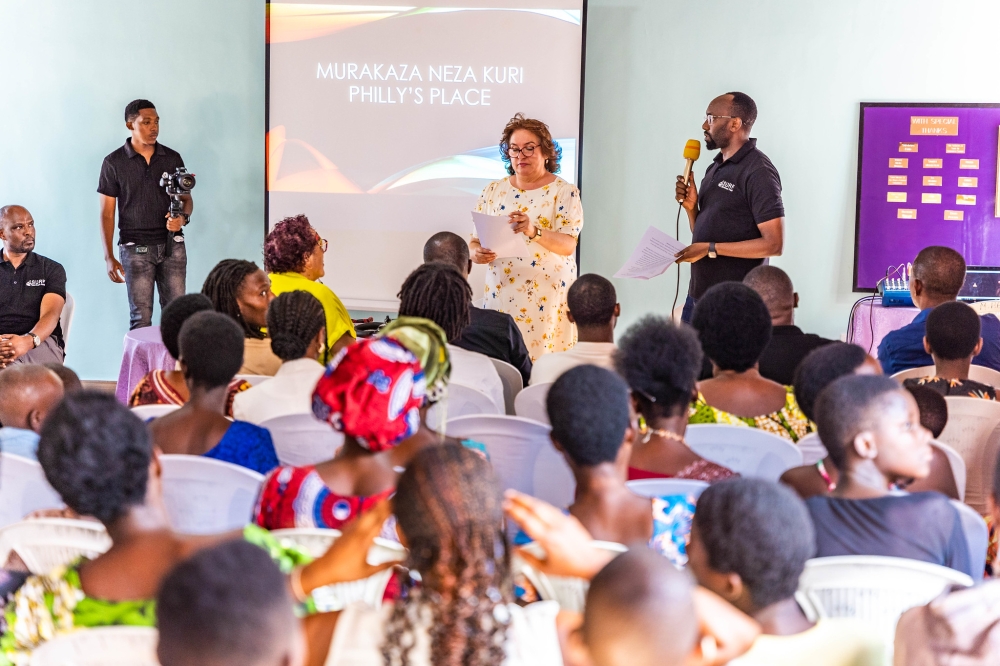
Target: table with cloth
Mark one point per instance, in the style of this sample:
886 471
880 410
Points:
871 321
144 351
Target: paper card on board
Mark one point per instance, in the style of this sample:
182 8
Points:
496 233
655 253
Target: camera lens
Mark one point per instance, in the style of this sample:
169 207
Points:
186 181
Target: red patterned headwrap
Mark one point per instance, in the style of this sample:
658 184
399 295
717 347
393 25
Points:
372 391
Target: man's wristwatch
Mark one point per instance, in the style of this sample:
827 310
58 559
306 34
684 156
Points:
712 254
35 340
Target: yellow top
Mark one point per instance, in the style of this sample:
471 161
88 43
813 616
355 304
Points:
832 642
338 321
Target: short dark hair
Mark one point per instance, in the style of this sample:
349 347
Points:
932 405
437 291
592 300
953 330
820 367
744 108
222 286
174 316
448 248
212 348
96 454
589 411
289 244
293 320
228 604
71 380
759 530
774 286
849 406
733 325
660 361
941 270
133 108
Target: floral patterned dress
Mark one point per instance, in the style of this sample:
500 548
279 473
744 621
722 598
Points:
533 289
789 422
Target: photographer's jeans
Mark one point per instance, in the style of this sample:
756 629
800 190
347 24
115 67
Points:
149 265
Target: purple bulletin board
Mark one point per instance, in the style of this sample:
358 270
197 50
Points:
927 175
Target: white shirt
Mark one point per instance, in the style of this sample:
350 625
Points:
288 392
476 371
549 367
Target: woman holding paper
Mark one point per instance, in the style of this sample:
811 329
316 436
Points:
547 210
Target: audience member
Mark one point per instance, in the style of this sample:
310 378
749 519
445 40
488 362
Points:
489 332
871 429
71 380
660 360
952 339
27 394
788 345
438 292
293 257
33 293
593 306
937 276
591 425
734 327
242 291
296 325
749 544
933 408
211 346
934 416
169 387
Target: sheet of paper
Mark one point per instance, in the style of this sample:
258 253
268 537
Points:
496 233
654 255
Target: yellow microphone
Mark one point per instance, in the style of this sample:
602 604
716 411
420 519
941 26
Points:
692 151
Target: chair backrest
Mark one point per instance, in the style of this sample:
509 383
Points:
812 449
46 543
253 380
302 439
957 464
553 480
100 646
977 535
748 451
667 487
66 316
512 443
977 373
150 412
874 589
206 496
915 373
570 593
461 401
973 431
986 307
23 489
512 382
530 403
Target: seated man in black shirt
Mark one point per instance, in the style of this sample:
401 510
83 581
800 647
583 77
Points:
32 295
492 333
789 345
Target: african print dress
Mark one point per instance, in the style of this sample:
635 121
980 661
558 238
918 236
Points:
789 422
533 289
154 389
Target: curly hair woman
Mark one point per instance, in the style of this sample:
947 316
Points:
293 258
448 508
547 210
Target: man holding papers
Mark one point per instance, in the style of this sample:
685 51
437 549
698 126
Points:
540 217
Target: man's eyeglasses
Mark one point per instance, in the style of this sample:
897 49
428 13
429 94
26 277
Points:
709 118
527 151
323 243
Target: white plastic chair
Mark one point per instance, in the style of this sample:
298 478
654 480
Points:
46 543
812 449
667 487
570 593
986 307
748 451
150 412
977 373
302 439
206 496
512 382
974 431
977 536
23 489
101 646
876 590
336 597
253 380
512 443
530 403
957 465
553 479
66 316
460 401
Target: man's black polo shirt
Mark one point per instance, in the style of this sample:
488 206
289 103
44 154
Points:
142 203
788 346
735 196
496 335
21 292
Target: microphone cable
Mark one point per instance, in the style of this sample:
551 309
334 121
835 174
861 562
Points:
677 233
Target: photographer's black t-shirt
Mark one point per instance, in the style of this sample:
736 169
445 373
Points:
142 202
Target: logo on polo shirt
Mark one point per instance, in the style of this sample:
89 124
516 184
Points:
35 283
726 185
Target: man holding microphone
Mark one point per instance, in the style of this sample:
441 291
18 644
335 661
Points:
738 218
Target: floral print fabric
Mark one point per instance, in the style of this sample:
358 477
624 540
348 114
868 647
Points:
789 422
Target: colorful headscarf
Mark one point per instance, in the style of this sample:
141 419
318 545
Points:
429 344
373 392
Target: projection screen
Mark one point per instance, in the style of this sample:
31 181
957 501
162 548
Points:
383 121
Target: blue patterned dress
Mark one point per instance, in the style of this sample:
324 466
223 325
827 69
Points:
247 445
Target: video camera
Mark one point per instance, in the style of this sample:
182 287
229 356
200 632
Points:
177 184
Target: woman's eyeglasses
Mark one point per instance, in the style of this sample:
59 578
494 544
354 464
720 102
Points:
323 243
527 151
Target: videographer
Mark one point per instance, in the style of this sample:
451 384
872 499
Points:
150 241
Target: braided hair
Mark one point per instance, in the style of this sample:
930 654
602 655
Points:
437 291
222 286
448 508
294 319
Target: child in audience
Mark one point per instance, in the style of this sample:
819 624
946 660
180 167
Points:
749 544
211 347
952 339
660 361
871 429
734 327
934 416
27 394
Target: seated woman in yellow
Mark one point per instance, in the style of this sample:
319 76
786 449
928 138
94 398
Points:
734 327
293 257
